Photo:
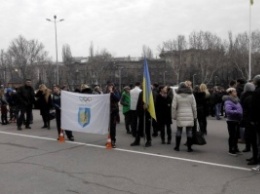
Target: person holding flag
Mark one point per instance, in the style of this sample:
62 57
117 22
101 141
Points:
145 109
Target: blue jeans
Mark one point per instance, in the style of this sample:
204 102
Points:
217 110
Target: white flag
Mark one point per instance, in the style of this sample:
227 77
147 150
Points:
85 112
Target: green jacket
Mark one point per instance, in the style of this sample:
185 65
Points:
125 101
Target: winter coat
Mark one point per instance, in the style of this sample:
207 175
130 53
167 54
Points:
184 108
44 101
256 105
134 95
217 97
163 109
114 99
233 109
25 97
125 102
246 103
202 104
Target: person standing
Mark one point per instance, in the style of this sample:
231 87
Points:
56 100
155 125
217 96
114 111
125 102
25 97
184 112
234 114
250 131
134 94
256 114
201 103
144 117
4 109
204 89
163 108
45 104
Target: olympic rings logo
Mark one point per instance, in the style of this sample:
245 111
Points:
85 99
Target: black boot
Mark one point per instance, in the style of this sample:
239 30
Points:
169 140
189 143
48 125
136 142
178 141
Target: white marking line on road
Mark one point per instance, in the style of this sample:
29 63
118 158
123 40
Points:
132 151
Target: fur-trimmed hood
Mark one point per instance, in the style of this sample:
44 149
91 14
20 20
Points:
183 90
233 99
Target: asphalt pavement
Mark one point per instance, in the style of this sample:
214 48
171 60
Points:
33 162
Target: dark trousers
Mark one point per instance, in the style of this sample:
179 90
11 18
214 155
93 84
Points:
257 128
127 120
45 117
4 118
21 116
251 139
203 125
141 130
134 121
113 121
168 130
58 123
233 128
156 127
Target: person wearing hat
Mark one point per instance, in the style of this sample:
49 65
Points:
250 132
184 111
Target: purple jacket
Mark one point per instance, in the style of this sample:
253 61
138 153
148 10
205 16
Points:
233 110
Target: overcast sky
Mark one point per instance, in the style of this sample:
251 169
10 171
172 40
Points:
120 26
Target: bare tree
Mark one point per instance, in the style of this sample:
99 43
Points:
207 54
147 52
25 54
175 50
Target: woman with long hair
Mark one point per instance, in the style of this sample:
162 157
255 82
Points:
45 104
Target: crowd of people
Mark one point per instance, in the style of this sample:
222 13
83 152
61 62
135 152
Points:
188 105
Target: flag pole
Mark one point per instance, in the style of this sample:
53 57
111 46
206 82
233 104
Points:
250 42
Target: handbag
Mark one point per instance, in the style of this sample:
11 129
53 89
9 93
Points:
52 115
197 136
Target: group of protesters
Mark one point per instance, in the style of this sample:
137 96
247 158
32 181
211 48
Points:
239 104
188 105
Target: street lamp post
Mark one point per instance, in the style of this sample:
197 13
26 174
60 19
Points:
164 77
56 43
193 79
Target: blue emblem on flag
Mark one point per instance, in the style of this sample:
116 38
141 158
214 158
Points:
84 116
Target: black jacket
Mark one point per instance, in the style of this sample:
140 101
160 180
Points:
163 109
246 102
256 105
25 97
202 104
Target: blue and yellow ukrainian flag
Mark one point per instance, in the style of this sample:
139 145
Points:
147 92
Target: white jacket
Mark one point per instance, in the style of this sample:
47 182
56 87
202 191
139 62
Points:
134 95
184 108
